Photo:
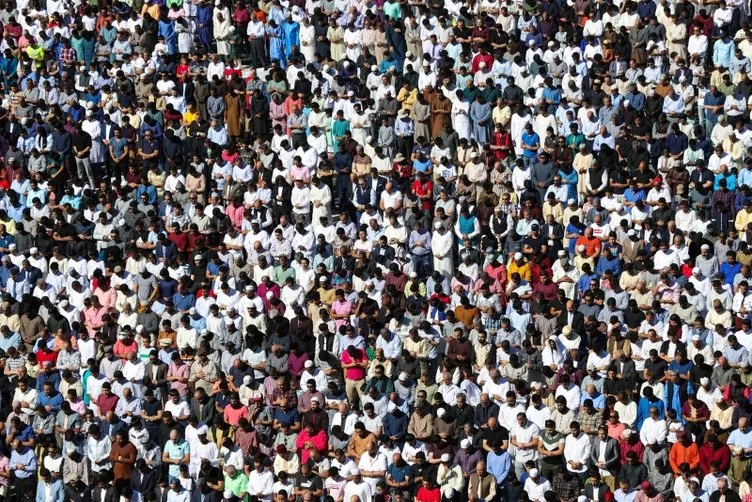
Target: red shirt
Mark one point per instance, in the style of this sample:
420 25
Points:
707 455
354 373
107 403
421 190
502 139
122 350
179 239
482 58
43 357
428 495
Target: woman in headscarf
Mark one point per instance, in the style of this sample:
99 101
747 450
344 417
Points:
461 116
307 39
553 355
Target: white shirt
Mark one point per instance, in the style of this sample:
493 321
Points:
525 434
508 415
376 463
361 490
653 430
572 395
536 491
261 483
577 449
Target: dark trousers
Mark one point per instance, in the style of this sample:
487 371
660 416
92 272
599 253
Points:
25 486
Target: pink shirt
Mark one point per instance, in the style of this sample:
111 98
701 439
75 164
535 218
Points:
78 406
300 172
93 318
296 364
4 461
341 308
183 371
236 215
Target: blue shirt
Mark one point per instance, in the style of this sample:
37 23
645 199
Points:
633 196
52 378
599 402
400 473
55 401
740 439
737 355
572 229
198 324
176 451
25 434
25 458
717 100
682 368
6 240
183 302
677 143
395 425
288 417
643 410
729 271
72 200
14 340
530 140
422 167
150 192
498 464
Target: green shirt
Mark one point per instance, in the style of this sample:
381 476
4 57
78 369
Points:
393 10
575 140
238 484
282 275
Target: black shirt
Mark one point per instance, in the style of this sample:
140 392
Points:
497 436
311 483
81 141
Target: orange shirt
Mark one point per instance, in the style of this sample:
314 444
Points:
592 245
680 454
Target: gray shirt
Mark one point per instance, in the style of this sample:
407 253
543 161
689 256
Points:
145 286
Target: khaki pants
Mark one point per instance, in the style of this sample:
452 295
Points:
354 389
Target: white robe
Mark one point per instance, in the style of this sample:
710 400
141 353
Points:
307 36
441 245
352 38
461 118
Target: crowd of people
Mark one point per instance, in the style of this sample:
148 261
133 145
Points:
375 251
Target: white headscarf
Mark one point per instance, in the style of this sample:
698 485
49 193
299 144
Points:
556 355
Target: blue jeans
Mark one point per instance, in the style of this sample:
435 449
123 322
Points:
421 264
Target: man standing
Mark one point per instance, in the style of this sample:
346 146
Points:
123 458
482 487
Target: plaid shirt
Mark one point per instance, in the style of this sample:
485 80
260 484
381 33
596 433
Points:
491 323
68 55
590 423
290 395
566 490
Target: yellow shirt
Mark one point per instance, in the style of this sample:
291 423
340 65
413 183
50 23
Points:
189 118
743 218
524 270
